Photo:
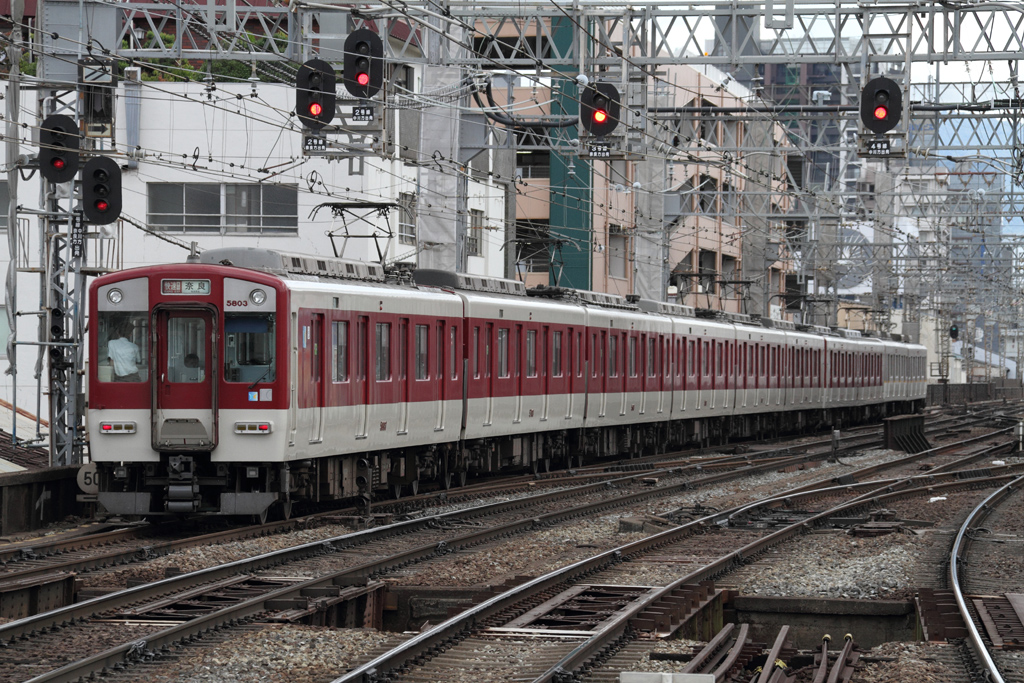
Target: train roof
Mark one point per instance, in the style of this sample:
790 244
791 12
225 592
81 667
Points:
293 265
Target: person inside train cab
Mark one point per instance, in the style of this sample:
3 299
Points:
192 372
124 354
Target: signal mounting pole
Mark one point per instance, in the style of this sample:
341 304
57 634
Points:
13 172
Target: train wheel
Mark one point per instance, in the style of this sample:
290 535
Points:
462 478
286 510
261 518
414 486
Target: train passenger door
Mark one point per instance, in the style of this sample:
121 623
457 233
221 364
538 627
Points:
361 388
185 399
403 375
440 394
314 356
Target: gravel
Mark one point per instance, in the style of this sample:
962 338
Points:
916 662
296 654
835 565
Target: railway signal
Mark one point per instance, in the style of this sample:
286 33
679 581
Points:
58 148
599 109
954 332
315 96
101 190
881 105
363 73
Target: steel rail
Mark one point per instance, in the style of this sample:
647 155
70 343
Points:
583 652
84 610
451 630
978 515
363 572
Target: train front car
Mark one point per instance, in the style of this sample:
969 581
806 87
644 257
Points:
186 361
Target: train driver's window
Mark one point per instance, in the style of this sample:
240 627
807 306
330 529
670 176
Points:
123 351
249 347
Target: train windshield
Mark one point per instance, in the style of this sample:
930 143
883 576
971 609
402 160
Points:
249 347
123 352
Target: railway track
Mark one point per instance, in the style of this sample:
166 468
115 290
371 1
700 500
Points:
40 577
299 598
987 585
37 566
655 611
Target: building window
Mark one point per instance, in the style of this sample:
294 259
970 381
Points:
406 218
618 245
475 236
223 208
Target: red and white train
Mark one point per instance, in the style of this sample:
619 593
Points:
265 377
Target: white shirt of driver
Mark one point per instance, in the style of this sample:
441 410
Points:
125 356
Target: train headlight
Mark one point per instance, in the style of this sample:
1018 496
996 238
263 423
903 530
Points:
114 296
120 472
257 296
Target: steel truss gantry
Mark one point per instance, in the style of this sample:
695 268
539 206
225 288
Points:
638 42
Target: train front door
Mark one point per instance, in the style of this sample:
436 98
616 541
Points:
185 400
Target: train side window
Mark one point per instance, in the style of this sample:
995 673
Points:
339 371
556 353
476 352
613 347
488 338
632 356
652 357
362 347
422 334
503 352
439 351
383 352
691 350
719 364
453 350
249 347
531 353
403 349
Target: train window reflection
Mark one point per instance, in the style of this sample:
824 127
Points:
249 348
123 352
186 350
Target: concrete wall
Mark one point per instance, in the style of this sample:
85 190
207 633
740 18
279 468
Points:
32 500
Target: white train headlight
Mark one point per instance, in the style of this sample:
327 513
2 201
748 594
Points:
257 296
114 296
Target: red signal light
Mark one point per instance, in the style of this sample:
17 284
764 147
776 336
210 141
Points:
363 78
58 164
881 112
315 109
600 116
101 205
